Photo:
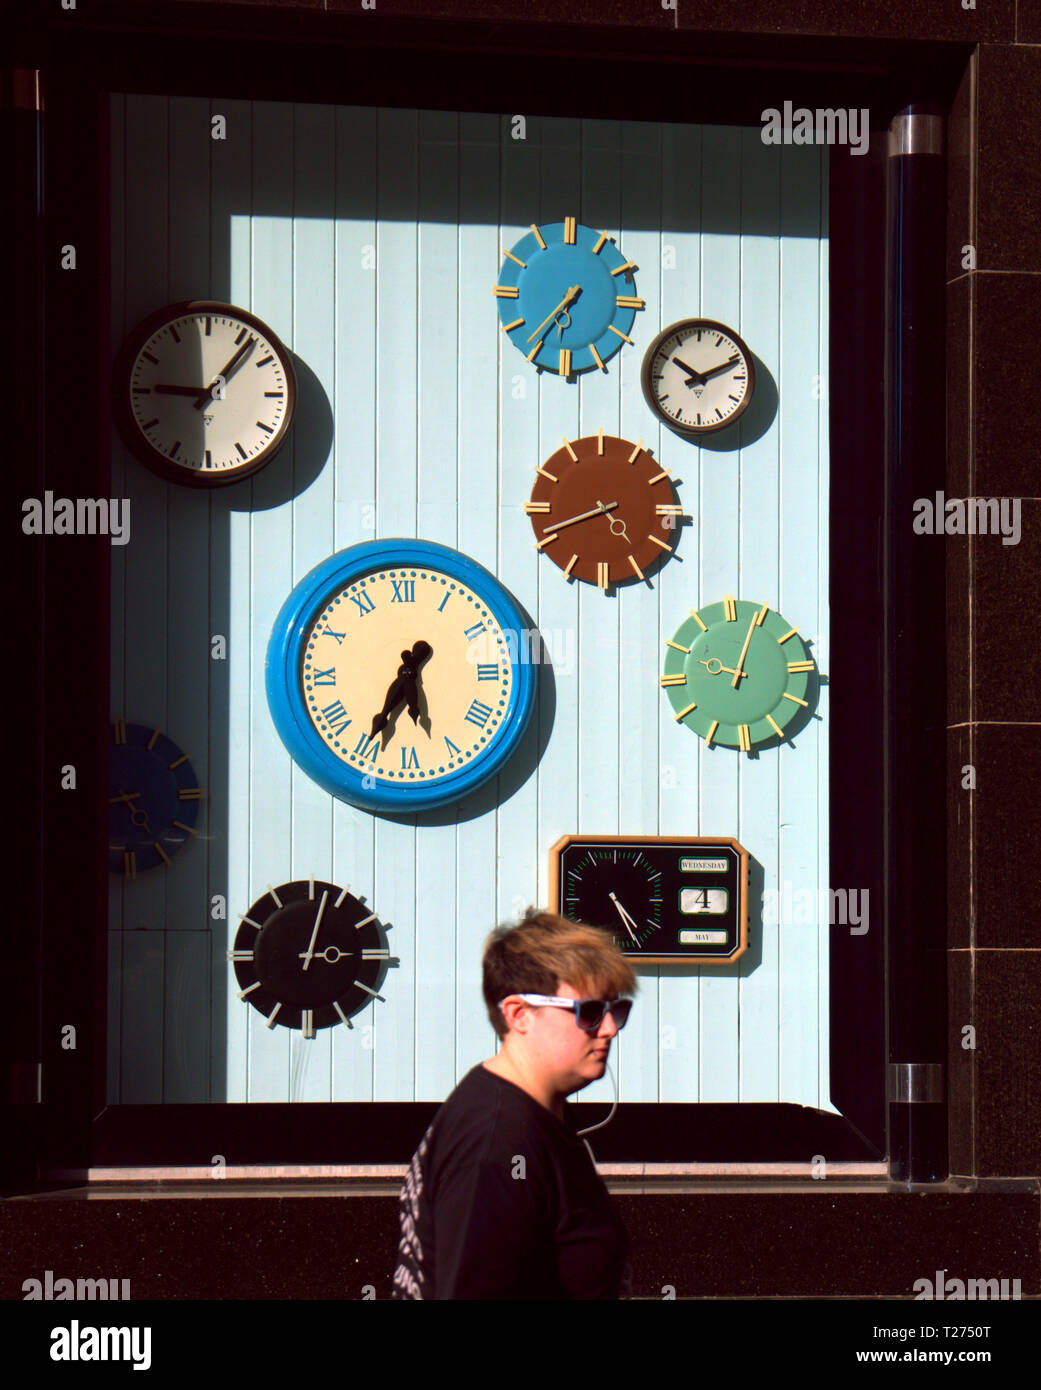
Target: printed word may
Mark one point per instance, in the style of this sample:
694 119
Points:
79 516
80 1289
817 127
75 1343
968 516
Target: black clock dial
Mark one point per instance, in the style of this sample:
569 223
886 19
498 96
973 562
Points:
308 955
618 889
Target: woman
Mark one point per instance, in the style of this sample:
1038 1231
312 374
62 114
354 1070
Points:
502 1200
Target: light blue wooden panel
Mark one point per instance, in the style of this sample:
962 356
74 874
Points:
487 529
370 242
760 542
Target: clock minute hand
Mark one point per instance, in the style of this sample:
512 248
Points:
309 954
179 390
724 367
583 516
629 924
228 371
741 659
571 294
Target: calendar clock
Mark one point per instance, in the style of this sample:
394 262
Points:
398 675
564 297
662 899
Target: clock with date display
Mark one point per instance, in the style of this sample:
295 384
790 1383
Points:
663 899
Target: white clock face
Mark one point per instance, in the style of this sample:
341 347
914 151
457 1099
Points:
352 675
700 377
210 394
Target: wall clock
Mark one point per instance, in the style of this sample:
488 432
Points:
397 676
562 297
308 955
663 898
153 800
736 673
602 508
698 376
203 393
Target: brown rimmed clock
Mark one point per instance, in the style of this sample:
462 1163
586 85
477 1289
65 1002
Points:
203 393
698 376
664 899
603 510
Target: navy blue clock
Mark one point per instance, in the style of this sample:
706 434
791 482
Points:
565 299
154 799
397 675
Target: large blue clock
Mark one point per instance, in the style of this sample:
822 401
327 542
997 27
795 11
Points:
398 675
565 297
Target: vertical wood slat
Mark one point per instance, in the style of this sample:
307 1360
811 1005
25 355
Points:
270 805
476 404
350 326
232 686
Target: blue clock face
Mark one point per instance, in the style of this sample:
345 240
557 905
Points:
565 296
153 799
397 675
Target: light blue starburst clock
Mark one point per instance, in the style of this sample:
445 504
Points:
398 675
565 297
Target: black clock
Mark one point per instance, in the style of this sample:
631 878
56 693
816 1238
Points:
664 900
309 955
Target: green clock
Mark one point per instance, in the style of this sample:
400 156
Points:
736 673
564 296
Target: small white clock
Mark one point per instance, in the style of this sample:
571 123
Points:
698 376
204 393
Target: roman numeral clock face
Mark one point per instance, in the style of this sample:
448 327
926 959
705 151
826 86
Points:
408 691
205 393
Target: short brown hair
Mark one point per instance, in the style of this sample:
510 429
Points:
544 951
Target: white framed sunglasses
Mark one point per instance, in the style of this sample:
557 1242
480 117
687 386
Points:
589 1013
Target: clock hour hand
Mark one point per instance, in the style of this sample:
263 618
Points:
179 390
227 372
404 687
629 923
694 376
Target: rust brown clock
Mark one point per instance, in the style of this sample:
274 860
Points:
604 510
